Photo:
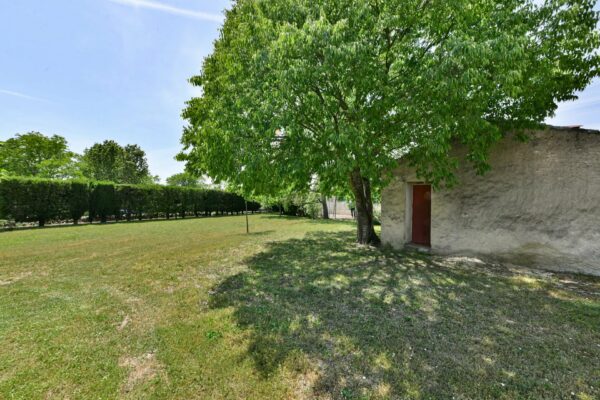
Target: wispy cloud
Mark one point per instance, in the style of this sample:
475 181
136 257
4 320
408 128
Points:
184 12
22 95
585 102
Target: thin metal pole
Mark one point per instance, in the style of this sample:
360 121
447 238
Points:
247 225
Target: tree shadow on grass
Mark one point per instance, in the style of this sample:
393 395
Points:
371 324
319 221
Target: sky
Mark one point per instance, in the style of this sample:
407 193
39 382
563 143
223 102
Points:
91 70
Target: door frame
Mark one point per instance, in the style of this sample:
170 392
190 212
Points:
408 215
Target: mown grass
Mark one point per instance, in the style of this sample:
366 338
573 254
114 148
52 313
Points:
198 309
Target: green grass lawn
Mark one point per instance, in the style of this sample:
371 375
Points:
198 309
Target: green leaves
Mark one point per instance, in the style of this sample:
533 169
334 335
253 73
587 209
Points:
109 161
33 154
43 200
36 155
184 179
297 88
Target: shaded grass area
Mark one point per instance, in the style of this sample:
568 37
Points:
197 309
407 325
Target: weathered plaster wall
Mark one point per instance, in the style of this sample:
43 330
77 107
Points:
538 206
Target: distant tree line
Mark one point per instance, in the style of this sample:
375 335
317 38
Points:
43 200
35 155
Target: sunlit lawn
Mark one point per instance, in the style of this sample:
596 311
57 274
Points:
198 309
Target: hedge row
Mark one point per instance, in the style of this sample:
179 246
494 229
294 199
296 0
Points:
43 200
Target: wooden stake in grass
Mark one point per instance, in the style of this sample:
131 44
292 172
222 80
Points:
247 225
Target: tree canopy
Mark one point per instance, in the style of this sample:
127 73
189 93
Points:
109 161
184 179
33 154
340 89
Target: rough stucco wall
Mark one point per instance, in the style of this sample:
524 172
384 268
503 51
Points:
393 203
538 206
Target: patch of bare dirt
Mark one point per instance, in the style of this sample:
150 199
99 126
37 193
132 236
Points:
55 394
141 369
124 323
304 386
14 279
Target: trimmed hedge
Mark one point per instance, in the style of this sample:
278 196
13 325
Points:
78 199
30 199
104 201
42 200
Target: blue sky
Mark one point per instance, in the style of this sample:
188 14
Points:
91 70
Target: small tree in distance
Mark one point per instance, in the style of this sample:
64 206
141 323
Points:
339 89
184 179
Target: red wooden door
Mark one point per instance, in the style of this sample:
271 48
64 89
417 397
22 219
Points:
421 215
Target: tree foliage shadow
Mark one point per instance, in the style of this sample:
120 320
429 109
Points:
379 324
318 221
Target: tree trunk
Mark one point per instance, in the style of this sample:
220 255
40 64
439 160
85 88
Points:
361 187
41 222
325 209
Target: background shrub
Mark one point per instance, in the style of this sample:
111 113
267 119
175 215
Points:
253 206
31 199
42 200
77 198
104 201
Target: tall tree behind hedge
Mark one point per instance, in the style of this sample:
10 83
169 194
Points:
102 161
184 179
35 155
109 161
135 165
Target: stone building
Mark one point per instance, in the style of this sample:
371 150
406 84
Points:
538 206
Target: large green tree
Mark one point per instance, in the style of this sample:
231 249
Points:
33 154
340 89
109 161
184 179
